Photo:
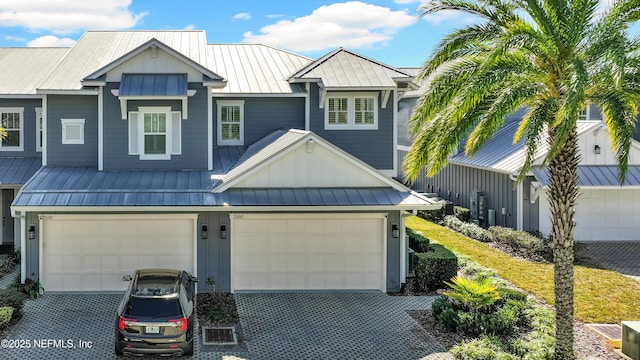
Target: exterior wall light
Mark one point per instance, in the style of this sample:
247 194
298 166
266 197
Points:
596 149
31 233
223 231
395 231
204 232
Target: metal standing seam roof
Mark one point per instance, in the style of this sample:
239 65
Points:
597 176
96 49
18 170
79 186
256 69
25 68
343 68
153 84
501 155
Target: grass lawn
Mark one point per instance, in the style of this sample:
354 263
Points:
600 296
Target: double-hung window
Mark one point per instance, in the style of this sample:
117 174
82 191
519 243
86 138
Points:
351 111
12 123
154 133
230 122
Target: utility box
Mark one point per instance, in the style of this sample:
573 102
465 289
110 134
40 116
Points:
631 339
478 207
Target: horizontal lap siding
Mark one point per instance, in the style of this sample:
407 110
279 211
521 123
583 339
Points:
375 147
72 107
194 133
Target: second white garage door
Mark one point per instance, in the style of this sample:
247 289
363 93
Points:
308 251
93 252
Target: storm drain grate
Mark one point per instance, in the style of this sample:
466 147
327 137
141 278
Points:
609 331
219 336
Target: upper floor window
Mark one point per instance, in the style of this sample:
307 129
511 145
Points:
12 123
584 114
155 133
72 131
230 122
39 129
351 111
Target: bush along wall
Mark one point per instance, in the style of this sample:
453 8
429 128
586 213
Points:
435 267
417 242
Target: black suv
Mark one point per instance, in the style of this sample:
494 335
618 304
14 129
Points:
156 314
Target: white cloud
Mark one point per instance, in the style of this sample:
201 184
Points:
51 41
275 16
14 38
190 27
351 24
68 16
242 16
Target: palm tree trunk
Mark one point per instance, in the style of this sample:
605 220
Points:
563 192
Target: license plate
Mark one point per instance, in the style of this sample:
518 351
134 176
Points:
152 329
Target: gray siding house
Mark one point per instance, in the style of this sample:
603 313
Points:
486 183
246 165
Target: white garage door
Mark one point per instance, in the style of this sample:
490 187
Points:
602 215
308 251
92 253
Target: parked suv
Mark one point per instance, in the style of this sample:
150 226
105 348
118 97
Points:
155 315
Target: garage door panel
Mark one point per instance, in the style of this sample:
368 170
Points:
321 252
92 253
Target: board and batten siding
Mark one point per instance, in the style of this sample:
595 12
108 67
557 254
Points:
194 133
72 107
374 147
262 116
29 125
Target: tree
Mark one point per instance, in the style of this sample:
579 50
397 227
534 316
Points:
551 57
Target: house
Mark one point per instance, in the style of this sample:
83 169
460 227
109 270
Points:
251 167
486 183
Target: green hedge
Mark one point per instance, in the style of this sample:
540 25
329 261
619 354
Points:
435 267
417 241
462 213
12 298
6 312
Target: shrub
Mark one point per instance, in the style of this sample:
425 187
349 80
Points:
433 215
462 213
6 312
449 319
417 241
487 348
522 243
12 298
469 229
435 267
439 305
474 294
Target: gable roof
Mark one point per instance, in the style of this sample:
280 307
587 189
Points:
97 49
25 68
255 69
501 155
279 143
342 68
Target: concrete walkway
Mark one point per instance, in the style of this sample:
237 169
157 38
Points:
620 256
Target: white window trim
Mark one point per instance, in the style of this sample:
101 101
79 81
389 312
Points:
66 123
39 130
168 133
351 109
220 104
587 113
19 110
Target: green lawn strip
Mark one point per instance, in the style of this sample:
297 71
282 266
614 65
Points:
600 296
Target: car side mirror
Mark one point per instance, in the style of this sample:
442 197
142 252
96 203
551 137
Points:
193 279
126 278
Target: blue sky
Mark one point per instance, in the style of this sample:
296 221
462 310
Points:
386 30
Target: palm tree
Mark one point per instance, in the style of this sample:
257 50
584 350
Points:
552 57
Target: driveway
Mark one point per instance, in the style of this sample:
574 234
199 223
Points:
305 325
619 256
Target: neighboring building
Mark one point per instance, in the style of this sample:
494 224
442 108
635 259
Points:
251 166
486 183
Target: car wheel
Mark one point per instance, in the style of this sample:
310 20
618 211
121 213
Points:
189 351
117 349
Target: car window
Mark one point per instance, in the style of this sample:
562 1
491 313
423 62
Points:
148 307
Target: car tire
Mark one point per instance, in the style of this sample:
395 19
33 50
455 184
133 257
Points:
117 350
189 351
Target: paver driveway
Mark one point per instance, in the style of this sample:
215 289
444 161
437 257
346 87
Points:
305 325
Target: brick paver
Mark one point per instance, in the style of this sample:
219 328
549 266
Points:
305 325
620 256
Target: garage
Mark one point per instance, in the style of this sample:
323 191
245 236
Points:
308 251
93 252
602 214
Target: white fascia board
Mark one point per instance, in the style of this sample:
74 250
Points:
67 92
215 84
258 95
178 209
359 88
19 96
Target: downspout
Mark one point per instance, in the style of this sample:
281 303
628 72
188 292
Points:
100 128
307 108
519 201
44 130
209 129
